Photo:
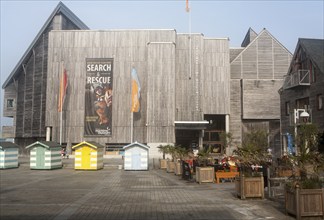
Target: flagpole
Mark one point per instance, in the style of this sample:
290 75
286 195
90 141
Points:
132 113
188 9
61 113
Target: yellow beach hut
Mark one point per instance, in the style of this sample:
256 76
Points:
88 156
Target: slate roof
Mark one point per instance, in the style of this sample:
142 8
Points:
46 144
315 50
6 144
60 9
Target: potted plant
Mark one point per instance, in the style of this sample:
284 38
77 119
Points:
170 163
164 149
180 153
205 173
251 157
304 194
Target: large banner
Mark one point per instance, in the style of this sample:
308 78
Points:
98 97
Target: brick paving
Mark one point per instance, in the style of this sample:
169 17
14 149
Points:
117 194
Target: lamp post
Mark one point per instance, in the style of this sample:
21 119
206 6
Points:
299 114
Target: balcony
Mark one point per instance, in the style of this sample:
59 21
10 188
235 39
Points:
298 78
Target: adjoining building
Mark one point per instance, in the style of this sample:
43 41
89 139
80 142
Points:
257 71
303 90
192 88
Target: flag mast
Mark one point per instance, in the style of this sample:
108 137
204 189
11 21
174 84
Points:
189 26
61 101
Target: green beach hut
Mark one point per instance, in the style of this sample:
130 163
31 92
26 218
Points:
8 155
45 155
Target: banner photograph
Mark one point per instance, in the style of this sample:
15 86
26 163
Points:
98 97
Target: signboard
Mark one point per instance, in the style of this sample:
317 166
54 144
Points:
98 97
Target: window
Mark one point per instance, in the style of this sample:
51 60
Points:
319 101
10 103
287 108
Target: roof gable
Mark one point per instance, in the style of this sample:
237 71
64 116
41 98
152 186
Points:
92 144
264 31
314 48
249 37
60 9
45 144
136 144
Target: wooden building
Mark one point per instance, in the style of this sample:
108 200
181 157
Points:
8 155
25 89
45 155
88 156
192 88
303 88
257 71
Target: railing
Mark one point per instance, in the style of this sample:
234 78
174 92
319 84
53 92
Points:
298 78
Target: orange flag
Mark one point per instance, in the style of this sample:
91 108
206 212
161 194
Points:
136 92
63 87
187 6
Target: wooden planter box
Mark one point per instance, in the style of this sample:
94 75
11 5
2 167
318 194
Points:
177 168
304 202
170 166
288 172
249 187
163 164
205 175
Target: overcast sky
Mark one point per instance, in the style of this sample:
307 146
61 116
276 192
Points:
285 20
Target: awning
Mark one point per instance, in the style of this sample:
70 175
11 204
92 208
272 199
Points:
191 125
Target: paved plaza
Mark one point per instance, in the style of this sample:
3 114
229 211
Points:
112 193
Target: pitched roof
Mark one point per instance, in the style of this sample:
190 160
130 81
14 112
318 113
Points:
90 144
315 50
6 144
249 37
46 144
136 144
255 39
60 9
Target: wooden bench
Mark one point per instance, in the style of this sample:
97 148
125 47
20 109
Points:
225 175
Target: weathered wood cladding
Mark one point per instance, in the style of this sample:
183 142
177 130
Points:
169 91
215 83
264 58
129 49
261 99
188 79
203 88
30 86
10 93
256 76
161 92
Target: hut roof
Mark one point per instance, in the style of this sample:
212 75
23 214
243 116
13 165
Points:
90 144
7 144
46 144
136 144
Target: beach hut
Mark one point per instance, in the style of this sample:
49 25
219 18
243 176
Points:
88 156
8 155
45 155
136 156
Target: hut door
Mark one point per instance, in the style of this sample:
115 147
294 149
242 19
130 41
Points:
40 157
136 160
86 151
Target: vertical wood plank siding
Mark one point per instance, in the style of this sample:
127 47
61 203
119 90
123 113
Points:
129 49
256 76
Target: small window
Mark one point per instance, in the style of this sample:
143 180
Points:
287 108
319 102
10 103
